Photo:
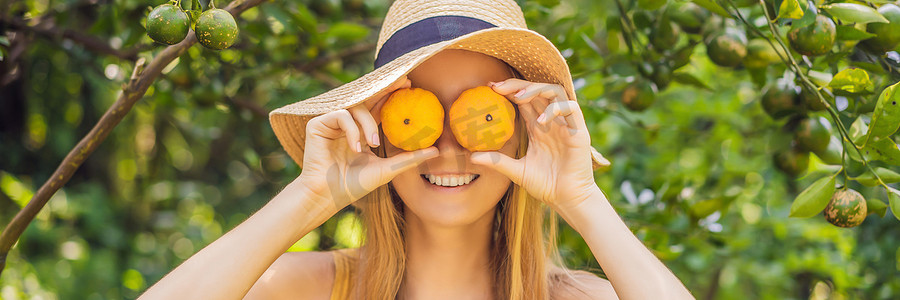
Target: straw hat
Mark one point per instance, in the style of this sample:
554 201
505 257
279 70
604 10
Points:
412 32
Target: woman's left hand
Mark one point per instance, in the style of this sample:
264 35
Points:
557 168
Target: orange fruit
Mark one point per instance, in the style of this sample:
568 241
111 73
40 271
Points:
412 119
481 119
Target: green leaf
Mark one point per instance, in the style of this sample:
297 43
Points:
894 199
614 23
869 66
306 20
886 175
875 206
809 16
651 4
790 9
854 13
278 19
820 78
713 7
194 14
689 79
858 130
814 198
851 151
886 118
898 258
850 33
884 150
759 76
853 80
704 208
347 31
833 154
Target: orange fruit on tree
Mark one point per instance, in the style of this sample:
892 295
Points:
412 119
481 119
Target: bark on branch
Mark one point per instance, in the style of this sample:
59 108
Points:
142 77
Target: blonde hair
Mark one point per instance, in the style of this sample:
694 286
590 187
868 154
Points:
521 254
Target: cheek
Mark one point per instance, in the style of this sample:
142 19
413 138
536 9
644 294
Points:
408 185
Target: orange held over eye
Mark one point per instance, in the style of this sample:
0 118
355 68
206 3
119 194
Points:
412 119
481 119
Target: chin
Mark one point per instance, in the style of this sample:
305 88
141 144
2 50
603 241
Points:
450 199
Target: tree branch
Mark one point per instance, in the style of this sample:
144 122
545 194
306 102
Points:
141 79
50 30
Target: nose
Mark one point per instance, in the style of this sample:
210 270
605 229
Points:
447 143
453 156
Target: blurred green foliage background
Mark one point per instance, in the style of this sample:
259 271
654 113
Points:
692 176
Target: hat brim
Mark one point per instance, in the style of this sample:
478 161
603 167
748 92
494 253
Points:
530 53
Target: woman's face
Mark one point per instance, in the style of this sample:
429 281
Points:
447 74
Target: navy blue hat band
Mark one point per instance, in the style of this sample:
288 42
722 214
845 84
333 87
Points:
426 32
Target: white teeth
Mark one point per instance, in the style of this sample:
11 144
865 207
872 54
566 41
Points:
450 180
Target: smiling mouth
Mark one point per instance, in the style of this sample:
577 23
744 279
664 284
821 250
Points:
450 180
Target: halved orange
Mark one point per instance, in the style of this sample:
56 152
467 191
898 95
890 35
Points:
412 118
481 119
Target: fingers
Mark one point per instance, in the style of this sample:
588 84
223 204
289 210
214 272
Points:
394 165
336 124
368 114
521 91
367 123
375 103
510 86
510 167
567 109
527 112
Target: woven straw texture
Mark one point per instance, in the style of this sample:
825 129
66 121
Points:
535 57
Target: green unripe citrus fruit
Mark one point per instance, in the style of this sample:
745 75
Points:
639 95
847 209
216 29
727 48
811 135
887 35
168 24
815 39
792 162
812 102
780 100
661 75
760 54
664 35
689 16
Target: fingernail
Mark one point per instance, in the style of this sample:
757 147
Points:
520 93
541 118
375 139
358 147
496 84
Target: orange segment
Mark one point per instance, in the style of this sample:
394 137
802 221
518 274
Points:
412 119
481 119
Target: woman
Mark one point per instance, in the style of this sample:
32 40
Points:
480 238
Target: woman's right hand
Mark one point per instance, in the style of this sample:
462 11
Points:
338 168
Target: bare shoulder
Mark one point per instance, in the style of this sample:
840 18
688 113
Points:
582 285
296 273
